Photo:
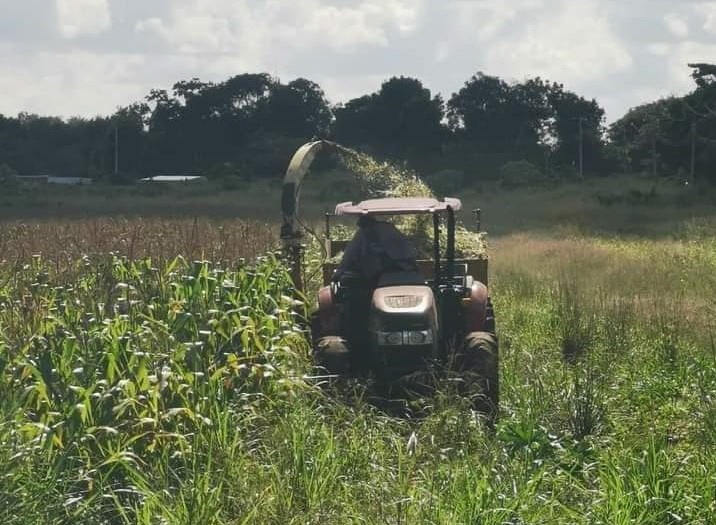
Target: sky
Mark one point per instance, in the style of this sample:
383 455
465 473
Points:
88 57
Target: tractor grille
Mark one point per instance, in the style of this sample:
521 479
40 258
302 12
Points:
403 301
399 360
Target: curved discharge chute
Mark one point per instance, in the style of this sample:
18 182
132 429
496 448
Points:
299 166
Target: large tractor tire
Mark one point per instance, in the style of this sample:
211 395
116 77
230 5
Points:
332 353
316 328
478 363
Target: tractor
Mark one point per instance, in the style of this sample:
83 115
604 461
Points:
437 318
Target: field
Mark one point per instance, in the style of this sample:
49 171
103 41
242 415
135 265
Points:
152 371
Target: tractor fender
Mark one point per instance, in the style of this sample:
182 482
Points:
476 308
329 313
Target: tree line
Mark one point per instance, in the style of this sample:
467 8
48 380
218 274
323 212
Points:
674 135
250 124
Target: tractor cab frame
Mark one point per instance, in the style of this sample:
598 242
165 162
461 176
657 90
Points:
440 314
457 283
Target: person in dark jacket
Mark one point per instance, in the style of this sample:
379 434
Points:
376 248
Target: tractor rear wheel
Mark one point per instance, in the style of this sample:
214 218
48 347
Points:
478 363
316 328
331 352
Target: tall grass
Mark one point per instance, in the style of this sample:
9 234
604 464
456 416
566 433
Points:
130 376
135 392
138 387
63 241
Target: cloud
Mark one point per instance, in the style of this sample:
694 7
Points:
367 23
244 27
342 89
82 17
683 54
89 56
572 42
708 12
71 83
484 19
193 33
677 25
661 49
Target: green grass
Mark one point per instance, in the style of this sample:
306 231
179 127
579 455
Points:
144 200
137 390
171 392
624 205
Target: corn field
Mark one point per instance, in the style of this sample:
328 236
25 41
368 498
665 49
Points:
157 372
129 364
176 391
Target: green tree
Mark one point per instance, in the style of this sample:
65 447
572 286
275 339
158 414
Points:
577 127
297 109
494 122
402 119
130 123
703 74
674 134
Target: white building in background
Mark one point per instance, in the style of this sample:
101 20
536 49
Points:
71 181
50 179
175 178
32 179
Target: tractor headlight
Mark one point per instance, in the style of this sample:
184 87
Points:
408 338
390 338
423 337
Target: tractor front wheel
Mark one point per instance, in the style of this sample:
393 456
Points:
479 365
332 353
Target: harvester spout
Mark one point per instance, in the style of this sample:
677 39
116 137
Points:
297 170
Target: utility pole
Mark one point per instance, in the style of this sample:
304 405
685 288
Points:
625 164
116 149
653 127
692 173
581 147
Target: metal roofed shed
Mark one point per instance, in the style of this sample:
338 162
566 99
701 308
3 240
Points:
398 206
69 181
51 179
28 179
175 178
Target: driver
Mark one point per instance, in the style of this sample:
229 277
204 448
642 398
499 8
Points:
377 247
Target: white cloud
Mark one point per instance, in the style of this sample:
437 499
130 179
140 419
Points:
684 54
193 33
677 25
344 89
708 11
71 83
82 17
621 53
367 23
675 80
486 18
659 48
572 42
442 52
243 27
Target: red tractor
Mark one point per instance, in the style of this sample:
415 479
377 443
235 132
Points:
437 317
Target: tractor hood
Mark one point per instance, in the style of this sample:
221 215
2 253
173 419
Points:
406 301
404 316
404 327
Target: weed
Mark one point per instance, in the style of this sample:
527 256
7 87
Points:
141 387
